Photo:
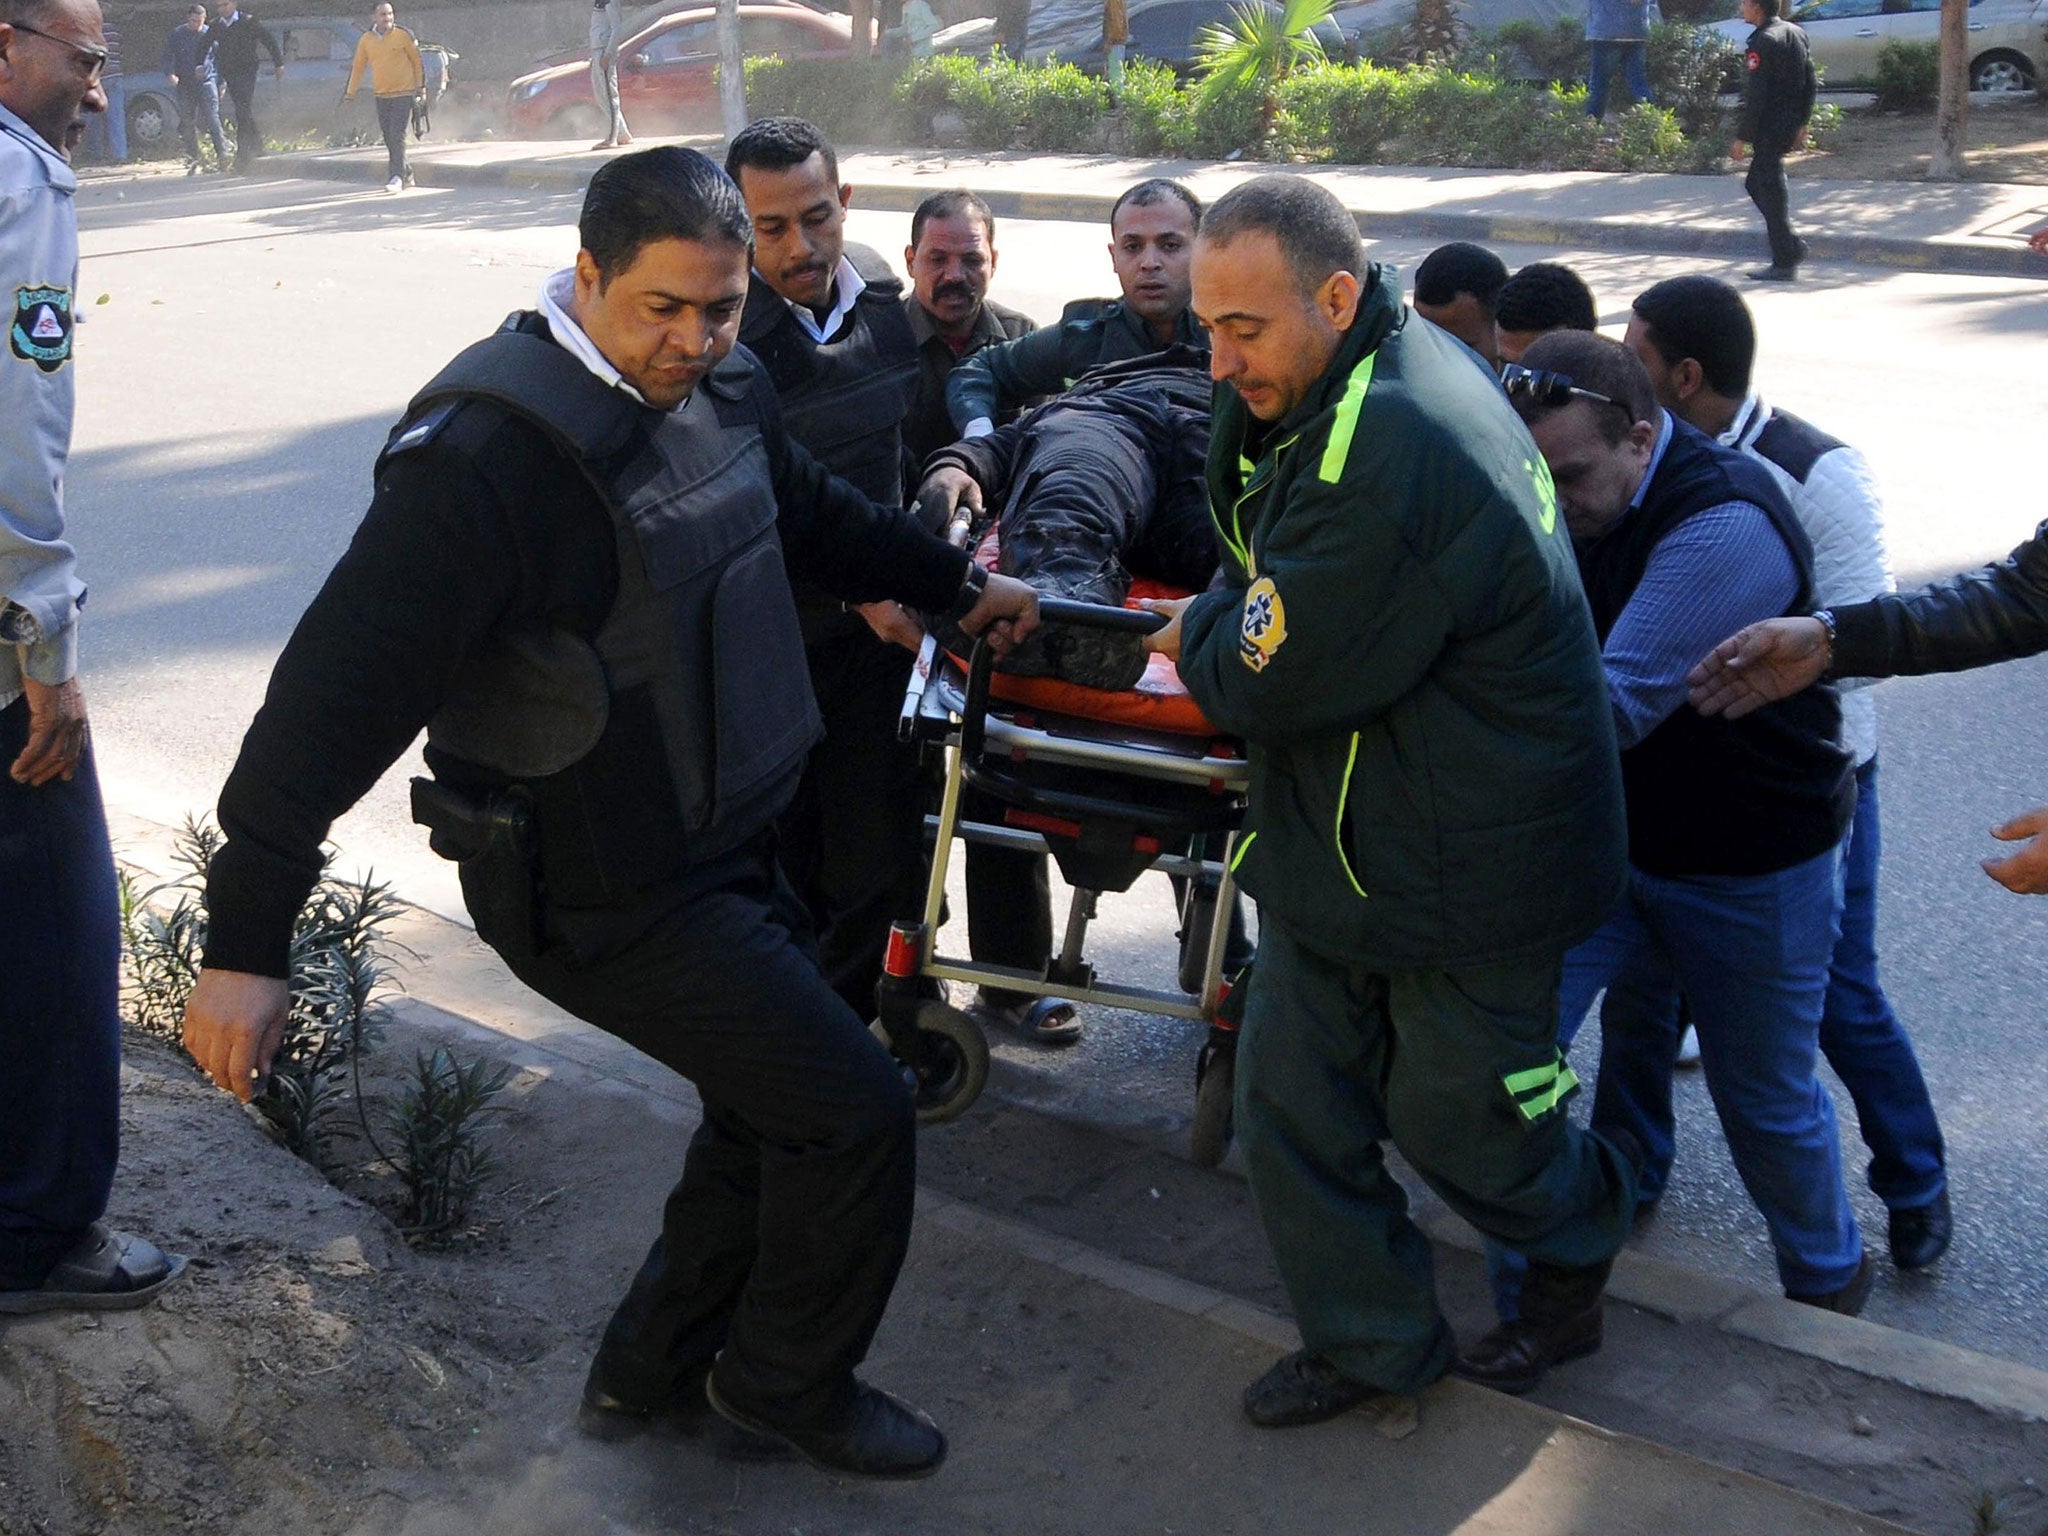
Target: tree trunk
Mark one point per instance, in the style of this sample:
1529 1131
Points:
732 71
1950 109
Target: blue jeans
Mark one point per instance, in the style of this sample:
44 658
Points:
1634 78
1752 953
60 1025
199 107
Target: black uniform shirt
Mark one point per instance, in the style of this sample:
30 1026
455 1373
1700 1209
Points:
929 426
1779 89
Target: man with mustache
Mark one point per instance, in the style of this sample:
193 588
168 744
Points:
826 320
1151 240
575 574
952 258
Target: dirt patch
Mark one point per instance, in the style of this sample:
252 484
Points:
2008 142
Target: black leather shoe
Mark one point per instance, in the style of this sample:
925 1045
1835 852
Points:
881 1437
1515 1356
1921 1235
1847 1300
1775 274
609 1415
1304 1388
105 1271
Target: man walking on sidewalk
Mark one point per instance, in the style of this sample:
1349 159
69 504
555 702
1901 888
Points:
1777 99
1400 636
604 74
60 931
188 65
390 57
237 38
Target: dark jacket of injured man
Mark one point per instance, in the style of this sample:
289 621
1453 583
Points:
1097 487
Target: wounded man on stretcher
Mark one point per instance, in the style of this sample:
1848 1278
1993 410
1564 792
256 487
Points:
1099 486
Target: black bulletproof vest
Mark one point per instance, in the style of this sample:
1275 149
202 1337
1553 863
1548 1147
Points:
1719 796
844 400
677 732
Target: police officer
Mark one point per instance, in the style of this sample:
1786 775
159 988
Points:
573 575
1400 636
952 259
1151 238
826 320
60 942
1777 99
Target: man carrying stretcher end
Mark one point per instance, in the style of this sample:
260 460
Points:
1435 803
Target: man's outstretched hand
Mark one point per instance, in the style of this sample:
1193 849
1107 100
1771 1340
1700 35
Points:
2024 873
1758 666
1006 614
234 1024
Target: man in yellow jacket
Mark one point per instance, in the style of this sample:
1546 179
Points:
388 54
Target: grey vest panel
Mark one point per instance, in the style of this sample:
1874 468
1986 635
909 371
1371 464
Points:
703 628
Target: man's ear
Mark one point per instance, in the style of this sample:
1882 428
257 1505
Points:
589 280
1687 378
1643 434
846 196
1337 299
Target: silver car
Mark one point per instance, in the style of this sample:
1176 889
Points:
2007 43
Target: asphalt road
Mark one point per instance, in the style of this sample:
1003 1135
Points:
248 344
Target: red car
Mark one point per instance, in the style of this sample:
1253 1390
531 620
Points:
668 72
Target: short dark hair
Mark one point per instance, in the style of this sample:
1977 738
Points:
777 144
1546 296
1594 362
668 193
1461 267
956 204
1704 319
1770 8
30 13
1156 190
1313 230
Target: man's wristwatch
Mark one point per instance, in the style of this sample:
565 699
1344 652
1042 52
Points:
1825 617
972 585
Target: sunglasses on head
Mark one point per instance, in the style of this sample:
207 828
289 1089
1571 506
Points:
1541 386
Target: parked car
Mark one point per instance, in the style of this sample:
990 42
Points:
2008 48
668 73
317 54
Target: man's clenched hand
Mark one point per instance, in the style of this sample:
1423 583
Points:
1006 614
234 1024
56 732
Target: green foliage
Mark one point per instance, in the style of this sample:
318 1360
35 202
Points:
1251 57
1433 33
1556 53
1158 116
1348 113
1690 69
960 85
853 101
1908 76
1003 104
1650 138
162 945
1055 106
441 1159
1822 127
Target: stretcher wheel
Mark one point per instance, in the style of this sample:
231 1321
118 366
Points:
1215 1087
947 1062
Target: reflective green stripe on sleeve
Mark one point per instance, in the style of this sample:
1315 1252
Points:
1345 423
1243 848
1539 1090
1344 799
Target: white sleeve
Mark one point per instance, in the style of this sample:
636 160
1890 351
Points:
1845 520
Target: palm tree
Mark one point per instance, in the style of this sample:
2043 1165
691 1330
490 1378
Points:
1259 47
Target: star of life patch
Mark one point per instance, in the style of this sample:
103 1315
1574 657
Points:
41 331
1265 624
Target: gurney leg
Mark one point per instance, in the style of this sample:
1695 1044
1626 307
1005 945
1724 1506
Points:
1070 968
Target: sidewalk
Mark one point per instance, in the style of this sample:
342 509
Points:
1974 228
1085 1390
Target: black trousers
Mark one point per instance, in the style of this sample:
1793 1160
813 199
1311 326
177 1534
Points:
1767 188
1009 901
248 137
394 116
852 841
782 1242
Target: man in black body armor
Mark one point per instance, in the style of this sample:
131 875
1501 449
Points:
826 320
575 574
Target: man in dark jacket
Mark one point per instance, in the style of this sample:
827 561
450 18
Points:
952 259
1996 613
1151 239
826 320
1734 835
1435 805
188 64
575 576
237 37
1777 99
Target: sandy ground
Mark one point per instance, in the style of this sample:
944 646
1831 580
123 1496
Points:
2007 142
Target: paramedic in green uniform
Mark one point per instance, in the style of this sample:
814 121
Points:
1436 808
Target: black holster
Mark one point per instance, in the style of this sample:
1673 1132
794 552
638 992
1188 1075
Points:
490 837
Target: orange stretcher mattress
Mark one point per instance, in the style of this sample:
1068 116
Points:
1158 701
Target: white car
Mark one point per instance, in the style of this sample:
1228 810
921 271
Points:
2007 42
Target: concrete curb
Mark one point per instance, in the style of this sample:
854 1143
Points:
1090 207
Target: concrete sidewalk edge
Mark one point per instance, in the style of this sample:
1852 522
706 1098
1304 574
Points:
1089 207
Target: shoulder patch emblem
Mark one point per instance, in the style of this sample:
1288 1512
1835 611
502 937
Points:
41 330
1265 624
1755 60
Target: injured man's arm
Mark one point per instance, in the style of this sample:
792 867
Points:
1092 490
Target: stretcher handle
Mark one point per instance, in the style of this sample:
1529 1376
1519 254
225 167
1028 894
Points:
1135 621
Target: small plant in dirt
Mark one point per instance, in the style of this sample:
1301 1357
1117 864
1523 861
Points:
1908 76
1433 33
440 1157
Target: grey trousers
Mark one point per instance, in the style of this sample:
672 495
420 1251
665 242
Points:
604 70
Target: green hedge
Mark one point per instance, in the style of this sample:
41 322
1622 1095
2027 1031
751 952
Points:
1908 76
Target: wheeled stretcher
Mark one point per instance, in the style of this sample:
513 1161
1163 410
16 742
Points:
1111 785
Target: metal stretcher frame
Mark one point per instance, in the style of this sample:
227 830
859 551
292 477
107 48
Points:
937 707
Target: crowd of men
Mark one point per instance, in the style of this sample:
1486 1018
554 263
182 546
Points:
646 566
